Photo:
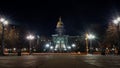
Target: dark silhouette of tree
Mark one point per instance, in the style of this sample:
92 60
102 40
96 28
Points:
111 37
11 37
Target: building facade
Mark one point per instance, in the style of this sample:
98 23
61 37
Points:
60 41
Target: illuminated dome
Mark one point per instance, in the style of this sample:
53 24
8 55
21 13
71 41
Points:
60 23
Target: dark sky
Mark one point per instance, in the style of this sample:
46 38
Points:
77 15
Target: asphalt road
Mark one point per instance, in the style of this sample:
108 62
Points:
60 61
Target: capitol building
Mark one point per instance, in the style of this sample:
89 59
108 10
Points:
62 42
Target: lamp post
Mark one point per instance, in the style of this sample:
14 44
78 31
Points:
86 41
3 22
91 37
117 23
30 38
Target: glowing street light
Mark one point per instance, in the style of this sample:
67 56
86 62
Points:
86 41
30 38
91 37
116 21
3 22
118 18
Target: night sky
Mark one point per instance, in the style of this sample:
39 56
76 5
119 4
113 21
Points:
77 15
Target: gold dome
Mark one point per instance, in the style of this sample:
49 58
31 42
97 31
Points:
60 23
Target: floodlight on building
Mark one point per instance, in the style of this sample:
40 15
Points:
51 47
69 47
47 45
73 45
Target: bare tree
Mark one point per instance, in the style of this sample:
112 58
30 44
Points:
111 37
11 37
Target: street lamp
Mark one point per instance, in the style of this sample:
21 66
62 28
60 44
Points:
86 41
91 37
30 38
117 23
88 36
3 22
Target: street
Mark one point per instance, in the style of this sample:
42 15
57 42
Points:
60 61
